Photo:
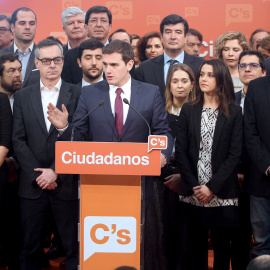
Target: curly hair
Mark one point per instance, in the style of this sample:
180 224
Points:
221 40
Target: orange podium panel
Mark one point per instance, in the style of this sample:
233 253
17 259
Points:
110 198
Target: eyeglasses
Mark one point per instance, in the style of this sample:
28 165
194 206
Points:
3 30
95 20
252 66
47 61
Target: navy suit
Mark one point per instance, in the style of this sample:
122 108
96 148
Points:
100 125
152 70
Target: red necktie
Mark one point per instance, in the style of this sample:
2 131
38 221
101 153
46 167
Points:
118 111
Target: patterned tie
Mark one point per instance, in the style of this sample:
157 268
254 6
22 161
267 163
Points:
118 111
172 62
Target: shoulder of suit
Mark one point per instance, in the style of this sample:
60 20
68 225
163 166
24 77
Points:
193 58
152 61
8 49
72 52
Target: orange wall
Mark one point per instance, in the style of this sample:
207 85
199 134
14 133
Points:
210 17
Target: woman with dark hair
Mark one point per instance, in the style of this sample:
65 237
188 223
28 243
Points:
150 46
208 148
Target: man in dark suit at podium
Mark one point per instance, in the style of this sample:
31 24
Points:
116 121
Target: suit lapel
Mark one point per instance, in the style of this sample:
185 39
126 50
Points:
197 123
30 65
267 89
104 95
187 59
35 99
64 97
134 101
218 131
159 72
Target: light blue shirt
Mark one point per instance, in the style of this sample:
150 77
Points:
179 58
23 57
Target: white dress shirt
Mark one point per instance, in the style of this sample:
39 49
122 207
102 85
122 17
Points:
49 96
127 94
85 83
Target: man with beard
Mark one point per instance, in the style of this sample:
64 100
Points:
90 61
10 75
10 82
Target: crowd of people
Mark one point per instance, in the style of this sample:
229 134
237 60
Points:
213 191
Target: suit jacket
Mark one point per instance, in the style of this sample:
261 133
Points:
100 125
257 134
152 70
34 146
267 63
65 49
30 66
226 150
238 96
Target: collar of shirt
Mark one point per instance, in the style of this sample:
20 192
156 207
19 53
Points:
55 88
68 46
107 42
126 94
29 49
85 83
179 58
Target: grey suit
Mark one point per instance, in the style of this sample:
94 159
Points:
35 148
152 70
28 79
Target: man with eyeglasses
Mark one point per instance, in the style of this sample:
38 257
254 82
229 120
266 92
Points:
98 20
251 66
34 144
6 35
24 26
257 143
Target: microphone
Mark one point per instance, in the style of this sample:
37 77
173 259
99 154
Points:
127 102
101 103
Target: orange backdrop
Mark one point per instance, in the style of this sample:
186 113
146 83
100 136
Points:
210 17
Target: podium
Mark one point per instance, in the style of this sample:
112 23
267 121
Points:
111 192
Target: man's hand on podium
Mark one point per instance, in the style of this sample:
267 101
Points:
56 117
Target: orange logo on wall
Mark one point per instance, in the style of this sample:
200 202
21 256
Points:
191 11
152 19
157 142
120 9
71 3
239 13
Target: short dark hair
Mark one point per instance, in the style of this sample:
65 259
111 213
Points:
14 14
254 52
251 41
55 39
121 47
173 19
119 30
142 43
7 57
8 19
47 43
195 33
224 85
134 36
89 44
98 9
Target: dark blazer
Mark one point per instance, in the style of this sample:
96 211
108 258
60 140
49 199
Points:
34 146
226 151
65 49
100 125
30 66
267 63
238 97
152 70
257 134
